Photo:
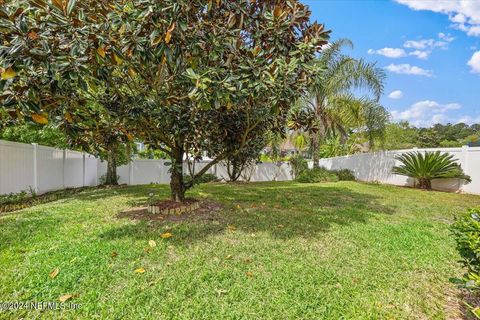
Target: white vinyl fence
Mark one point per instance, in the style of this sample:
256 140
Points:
378 167
42 169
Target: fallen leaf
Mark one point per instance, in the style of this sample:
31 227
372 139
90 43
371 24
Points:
249 274
114 254
65 297
228 257
68 117
280 226
101 52
231 227
238 206
147 250
32 35
118 61
39 118
140 270
166 235
8 73
54 273
152 243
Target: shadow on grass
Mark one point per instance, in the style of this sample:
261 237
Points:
284 210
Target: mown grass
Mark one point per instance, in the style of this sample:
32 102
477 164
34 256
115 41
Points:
279 250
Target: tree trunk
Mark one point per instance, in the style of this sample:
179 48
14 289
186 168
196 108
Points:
111 178
177 187
425 184
315 150
234 170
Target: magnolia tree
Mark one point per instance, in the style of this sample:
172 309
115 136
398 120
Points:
183 71
54 70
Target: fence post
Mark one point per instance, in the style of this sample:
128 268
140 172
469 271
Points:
130 173
35 168
63 167
465 163
84 169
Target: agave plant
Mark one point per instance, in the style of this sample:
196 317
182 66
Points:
425 167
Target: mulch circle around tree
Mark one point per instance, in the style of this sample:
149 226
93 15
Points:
176 211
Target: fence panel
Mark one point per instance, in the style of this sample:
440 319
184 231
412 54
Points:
378 167
73 169
91 175
25 166
49 169
149 171
16 167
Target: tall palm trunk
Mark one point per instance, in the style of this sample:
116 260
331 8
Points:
319 136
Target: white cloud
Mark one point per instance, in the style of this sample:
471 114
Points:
445 37
474 62
465 14
409 69
419 48
397 94
468 120
471 30
420 44
389 52
425 44
426 113
420 54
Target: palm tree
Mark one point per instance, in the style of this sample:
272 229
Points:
428 166
332 103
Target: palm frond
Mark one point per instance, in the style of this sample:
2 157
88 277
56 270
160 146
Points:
429 166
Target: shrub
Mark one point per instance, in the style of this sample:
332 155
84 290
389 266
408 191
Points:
298 165
205 178
425 167
466 230
13 197
317 175
345 175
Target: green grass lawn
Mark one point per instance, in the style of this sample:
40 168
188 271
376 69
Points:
277 250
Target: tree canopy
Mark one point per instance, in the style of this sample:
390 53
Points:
175 73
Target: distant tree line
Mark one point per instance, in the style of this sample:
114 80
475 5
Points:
403 135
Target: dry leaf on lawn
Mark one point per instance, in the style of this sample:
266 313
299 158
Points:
54 273
65 297
166 235
140 270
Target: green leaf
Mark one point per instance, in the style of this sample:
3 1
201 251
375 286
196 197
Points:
71 6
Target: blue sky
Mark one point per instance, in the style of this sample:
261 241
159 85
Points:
430 50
